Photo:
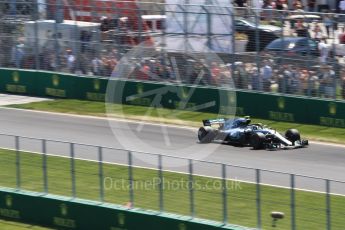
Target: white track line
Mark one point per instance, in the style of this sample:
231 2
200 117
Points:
119 119
179 172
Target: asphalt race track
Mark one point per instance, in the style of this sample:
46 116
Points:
318 160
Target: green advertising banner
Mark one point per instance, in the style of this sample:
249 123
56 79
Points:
292 109
55 85
18 82
66 213
92 89
173 96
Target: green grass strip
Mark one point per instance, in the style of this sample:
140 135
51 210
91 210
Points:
310 206
187 118
10 225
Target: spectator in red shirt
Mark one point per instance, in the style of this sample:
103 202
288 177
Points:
215 72
144 72
342 38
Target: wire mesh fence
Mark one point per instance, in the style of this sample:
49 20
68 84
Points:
200 189
91 38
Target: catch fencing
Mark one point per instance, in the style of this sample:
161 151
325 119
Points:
201 189
87 43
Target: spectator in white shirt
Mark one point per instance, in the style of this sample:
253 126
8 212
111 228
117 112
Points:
342 6
96 66
266 73
317 33
324 50
70 59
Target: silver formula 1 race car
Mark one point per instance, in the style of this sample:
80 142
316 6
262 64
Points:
240 132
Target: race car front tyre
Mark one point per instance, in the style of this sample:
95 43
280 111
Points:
206 134
257 140
292 135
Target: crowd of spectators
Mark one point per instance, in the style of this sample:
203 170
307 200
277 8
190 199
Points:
307 5
268 76
323 81
319 81
330 24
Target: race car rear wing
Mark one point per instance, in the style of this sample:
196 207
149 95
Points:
210 122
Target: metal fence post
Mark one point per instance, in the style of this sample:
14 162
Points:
328 204
56 43
140 26
191 188
233 41
100 174
161 183
18 176
130 178
72 169
258 198
209 27
292 201
44 165
257 41
36 52
225 195
185 26
335 67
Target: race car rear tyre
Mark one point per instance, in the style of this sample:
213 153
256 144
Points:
292 135
206 134
257 140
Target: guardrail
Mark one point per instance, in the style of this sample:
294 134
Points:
200 189
306 110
